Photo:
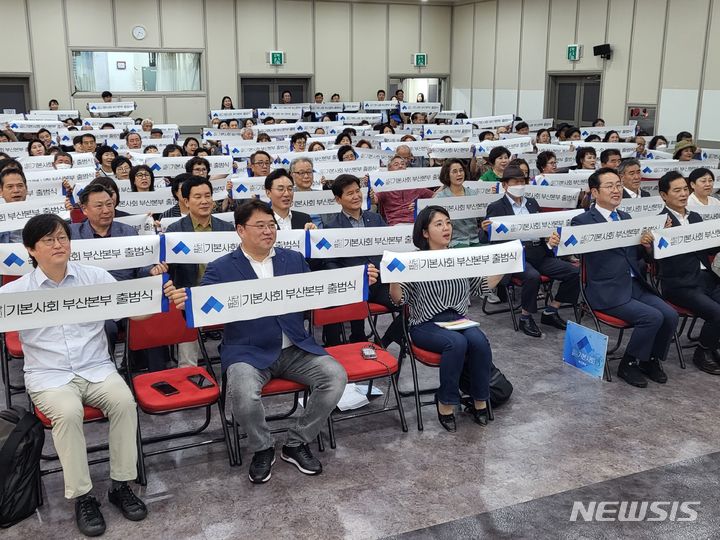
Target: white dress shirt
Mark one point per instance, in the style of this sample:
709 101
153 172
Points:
264 269
56 354
694 201
284 224
632 194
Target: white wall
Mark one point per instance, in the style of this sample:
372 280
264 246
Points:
665 54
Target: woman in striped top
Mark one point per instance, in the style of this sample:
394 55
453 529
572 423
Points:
441 301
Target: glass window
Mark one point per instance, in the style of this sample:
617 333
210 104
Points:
125 71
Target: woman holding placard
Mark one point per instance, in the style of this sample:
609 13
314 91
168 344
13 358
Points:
434 304
702 182
453 175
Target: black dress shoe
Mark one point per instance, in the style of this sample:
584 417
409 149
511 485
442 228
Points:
653 371
715 353
629 371
302 458
529 327
446 420
480 416
704 362
88 517
261 466
553 319
129 504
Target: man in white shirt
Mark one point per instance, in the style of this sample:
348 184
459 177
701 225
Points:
69 366
630 176
279 188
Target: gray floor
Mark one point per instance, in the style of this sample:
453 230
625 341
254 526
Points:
561 431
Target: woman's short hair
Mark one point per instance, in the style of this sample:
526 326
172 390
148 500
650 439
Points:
582 152
445 170
543 158
497 152
118 161
133 173
171 148
343 149
698 173
422 222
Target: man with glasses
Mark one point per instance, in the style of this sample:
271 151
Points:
255 351
260 164
615 285
539 257
196 193
279 189
68 366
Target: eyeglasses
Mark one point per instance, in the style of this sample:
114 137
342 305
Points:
50 241
303 173
199 170
142 175
262 163
283 189
263 226
612 187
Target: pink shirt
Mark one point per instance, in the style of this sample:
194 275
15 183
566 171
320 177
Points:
399 206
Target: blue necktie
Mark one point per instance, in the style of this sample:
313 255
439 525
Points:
614 216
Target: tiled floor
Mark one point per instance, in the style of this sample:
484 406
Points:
561 431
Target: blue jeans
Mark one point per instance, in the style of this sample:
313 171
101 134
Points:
456 348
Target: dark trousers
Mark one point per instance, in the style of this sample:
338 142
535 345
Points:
703 300
377 294
653 320
564 272
456 347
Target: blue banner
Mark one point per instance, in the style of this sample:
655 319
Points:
585 349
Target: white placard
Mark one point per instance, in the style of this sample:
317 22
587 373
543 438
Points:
198 248
423 107
357 118
626 149
442 264
449 115
529 226
564 180
464 207
165 222
229 114
655 168
658 154
416 147
214 134
686 239
244 149
359 168
60 114
623 131
245 188
554 197
45 189
380 105
14 149
318 156
14 216
111 107
74 305
152 202
318 202
267 297
72 175
332 106
454 131
285 113
535 125
33 126
517 145
141 223
707 212
642 206
418 177
359 242
117 122
45 163
275 131
459 150
577 239
484 122
66 136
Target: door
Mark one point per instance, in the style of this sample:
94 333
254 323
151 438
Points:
575 100
261 92
433 89
15 94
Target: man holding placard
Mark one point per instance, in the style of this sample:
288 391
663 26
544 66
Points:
69 366
539 257
256 350
615 285
398 206
686 279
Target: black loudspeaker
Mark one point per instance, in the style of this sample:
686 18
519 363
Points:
603 51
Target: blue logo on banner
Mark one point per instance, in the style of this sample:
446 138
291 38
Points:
501 228
93 108
662 243
210 133
241 188
262 113
13 259
13 125
404 107
585 349
571 241
114 146
181 247
323 244
584 133
650 156
396 264
481 149
544 183
285 161
647 169
429 132
155 167
212 303
379 182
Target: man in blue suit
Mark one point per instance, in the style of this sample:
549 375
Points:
255 351
349 196
615 285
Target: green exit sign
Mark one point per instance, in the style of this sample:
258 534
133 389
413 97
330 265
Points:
574 52
276 58
419 60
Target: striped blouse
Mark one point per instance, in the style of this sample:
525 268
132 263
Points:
425 299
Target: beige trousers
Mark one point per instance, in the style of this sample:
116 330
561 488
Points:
64 407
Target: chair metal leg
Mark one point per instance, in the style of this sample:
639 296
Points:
401 411
142 473
331 432
491 414
679 350
416 387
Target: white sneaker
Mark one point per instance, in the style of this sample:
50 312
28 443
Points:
492 298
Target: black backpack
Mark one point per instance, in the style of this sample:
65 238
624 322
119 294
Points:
21 442
500 388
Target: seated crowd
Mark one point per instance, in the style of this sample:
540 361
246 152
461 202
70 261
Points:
71 366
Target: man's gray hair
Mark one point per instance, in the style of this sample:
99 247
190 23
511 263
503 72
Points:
299 160
625 163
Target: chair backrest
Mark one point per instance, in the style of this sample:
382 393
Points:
160 329
8 279
77 215
349 312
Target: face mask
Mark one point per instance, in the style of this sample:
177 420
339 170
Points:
661 145
516 191
62 165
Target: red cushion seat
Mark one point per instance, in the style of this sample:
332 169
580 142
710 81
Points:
12 343
514 280
90 414
282 386
189 395
428 358
610 320
681 310
359 368
378 309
